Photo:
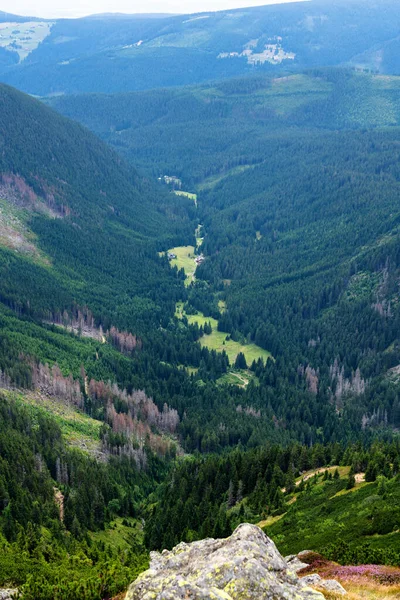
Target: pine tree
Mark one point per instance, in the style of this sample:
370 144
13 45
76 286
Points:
240 362
351 482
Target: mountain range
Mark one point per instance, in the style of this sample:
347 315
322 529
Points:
199 289
99 54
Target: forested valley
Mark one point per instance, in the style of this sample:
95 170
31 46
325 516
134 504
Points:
143 404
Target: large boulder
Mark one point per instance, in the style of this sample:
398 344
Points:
245 566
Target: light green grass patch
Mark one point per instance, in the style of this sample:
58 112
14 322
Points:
270 521
16 235
343 472
222 306
201 320
240 378
23 38
187 195
184 260
211 182
120 536
190 370
78 430
357 487
217 340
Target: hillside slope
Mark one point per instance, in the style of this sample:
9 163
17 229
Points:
202 133
85 291
86 210
101 54
297 184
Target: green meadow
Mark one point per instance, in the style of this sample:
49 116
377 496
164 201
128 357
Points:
184 260
187 195
218 340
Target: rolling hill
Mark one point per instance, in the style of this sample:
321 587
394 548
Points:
202 134
99 54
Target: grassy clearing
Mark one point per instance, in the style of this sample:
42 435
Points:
222 306
352 490
343 472
119 535
187 195
240 378
360 516
218 341
79 430
16 235
192 370
184 260
211 182
23 38
270 521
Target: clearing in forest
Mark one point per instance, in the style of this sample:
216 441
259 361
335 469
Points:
219 340
187 195
78 429
184 259
23 38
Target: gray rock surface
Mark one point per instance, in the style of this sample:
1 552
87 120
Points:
330 585
245 566
7 594
294 563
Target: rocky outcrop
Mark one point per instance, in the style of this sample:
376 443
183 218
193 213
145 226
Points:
330 585
294 563
245 566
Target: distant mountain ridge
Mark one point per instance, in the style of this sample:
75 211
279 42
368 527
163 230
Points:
118 53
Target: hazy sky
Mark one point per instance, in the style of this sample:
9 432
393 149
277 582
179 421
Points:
76 8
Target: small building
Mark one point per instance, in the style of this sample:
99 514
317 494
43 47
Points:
173 180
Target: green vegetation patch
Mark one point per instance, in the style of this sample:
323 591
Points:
23 38
184 260
121 534
219 341
364 515
16 235
362 285
78 429
187 195
237 377
211 182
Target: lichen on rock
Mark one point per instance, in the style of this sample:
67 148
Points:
244 566
330 585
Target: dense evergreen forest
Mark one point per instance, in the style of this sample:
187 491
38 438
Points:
296 225
209 497
46 549
205 133
297 183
